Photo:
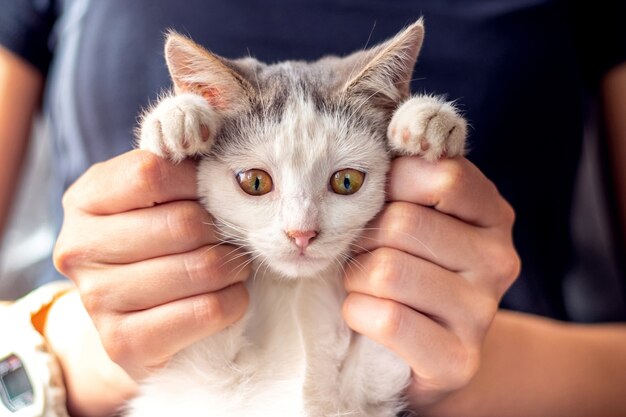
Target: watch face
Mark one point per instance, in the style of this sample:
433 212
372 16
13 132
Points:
16 390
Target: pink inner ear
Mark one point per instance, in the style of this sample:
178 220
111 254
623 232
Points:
212 95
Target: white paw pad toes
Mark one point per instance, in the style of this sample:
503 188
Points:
429 127
179 127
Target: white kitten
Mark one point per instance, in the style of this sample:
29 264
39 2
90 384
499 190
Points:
293 159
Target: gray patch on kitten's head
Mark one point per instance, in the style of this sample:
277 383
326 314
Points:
300 122
374 81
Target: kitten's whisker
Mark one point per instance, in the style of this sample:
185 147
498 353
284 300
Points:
405 234
231 225
350 262
337 260
220 223
344 413
235 241
258 269
243 255
267 266
247 262
237 270
229 238
213 246
235 249
239 256
361 248
224 237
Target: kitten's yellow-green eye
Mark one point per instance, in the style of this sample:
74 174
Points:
255 182
347 181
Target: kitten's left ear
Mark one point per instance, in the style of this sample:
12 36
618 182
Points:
195 70
383 73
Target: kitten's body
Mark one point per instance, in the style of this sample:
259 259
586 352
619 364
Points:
292 354
289 356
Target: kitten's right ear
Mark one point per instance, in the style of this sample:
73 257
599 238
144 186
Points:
382 74
195 70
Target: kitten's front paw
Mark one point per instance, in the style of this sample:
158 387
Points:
427 126
179 127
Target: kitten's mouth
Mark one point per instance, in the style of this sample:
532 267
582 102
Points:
300 265
300 258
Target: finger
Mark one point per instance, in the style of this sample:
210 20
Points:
424 232
136 179
158 333
170 228
423 286
452 186
159 281
433 352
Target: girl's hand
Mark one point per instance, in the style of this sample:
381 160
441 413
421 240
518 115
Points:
144 255
436 263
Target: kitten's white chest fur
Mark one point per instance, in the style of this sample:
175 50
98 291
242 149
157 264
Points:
295 128
291 355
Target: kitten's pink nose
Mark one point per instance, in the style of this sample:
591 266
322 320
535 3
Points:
302 238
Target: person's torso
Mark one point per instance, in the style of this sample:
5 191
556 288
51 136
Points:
511 66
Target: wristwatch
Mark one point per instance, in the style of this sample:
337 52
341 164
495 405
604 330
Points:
31 381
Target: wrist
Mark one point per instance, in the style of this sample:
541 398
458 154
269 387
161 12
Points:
534 366
31 378
95 386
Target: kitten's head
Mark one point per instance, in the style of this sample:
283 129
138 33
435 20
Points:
299 164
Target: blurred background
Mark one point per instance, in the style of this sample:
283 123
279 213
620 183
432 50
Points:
29 238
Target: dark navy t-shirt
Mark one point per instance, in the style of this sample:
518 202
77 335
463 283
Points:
519 69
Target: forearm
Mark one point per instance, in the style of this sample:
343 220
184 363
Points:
614 105
537 367
95 385
20 90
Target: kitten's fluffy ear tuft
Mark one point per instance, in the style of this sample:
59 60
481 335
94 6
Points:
195 70
383 73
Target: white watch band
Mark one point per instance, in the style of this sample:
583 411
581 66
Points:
21 340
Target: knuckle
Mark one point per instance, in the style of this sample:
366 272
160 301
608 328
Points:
513 267
449 176
483 315
502 263
460 366
185 223
238 308
92 295
467 363
66 257
400 218
508 265
209 308
117 342
389 321
67 201
508 213
146 171
231 265
385 273
244 299
201 265
74 195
